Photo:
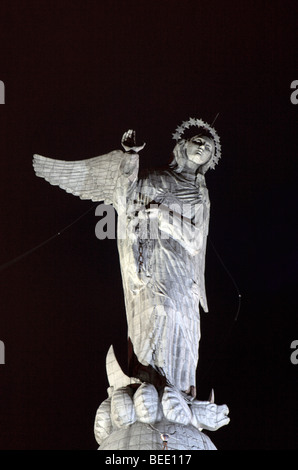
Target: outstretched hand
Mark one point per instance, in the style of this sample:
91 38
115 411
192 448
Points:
128 142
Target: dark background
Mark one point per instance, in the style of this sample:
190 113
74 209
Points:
78 74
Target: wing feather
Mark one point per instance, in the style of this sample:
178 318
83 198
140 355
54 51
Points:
93 178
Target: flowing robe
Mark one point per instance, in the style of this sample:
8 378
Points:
162 252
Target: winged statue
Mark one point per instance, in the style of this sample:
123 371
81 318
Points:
163 218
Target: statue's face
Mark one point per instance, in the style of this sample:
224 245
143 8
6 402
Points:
199 149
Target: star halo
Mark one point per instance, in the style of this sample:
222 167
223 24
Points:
202 125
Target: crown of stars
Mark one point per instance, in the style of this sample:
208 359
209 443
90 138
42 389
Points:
202 125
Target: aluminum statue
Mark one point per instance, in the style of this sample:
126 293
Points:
163 218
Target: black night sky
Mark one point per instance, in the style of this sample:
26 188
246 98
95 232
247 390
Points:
78 74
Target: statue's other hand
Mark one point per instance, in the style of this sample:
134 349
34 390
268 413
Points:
128 142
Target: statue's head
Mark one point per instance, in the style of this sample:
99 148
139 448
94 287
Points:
195 152
199 147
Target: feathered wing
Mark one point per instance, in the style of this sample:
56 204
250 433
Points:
93 178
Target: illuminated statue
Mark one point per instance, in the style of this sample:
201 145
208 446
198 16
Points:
163 218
